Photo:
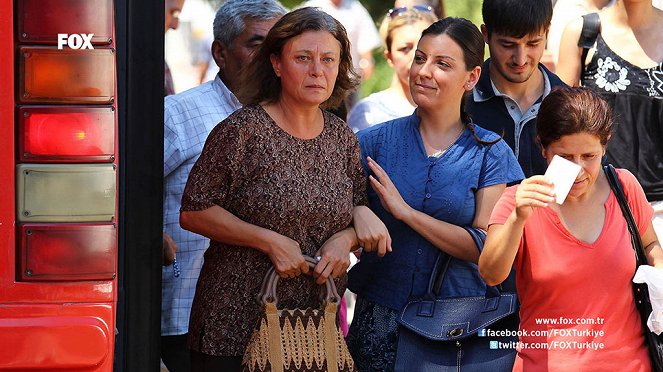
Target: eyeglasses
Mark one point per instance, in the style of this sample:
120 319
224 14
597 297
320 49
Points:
395 12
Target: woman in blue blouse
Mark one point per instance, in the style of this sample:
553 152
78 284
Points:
431 174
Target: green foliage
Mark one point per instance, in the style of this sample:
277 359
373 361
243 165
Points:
469 9
381 77
290 3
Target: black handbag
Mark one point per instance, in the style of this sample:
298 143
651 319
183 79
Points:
640 290
440 334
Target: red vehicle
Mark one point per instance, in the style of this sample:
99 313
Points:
81 157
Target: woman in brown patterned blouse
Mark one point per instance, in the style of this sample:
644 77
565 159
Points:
277 179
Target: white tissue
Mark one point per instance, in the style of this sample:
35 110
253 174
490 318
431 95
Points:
562 173
654 279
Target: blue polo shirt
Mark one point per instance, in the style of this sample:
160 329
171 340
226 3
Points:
443 188
499 113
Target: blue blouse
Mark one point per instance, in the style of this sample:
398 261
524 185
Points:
443 188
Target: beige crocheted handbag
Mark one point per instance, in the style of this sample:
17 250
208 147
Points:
297 339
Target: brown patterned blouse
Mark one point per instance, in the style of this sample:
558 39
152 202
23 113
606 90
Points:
303 189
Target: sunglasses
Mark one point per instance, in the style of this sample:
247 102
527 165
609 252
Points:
395 12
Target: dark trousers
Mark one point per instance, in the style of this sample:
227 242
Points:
175 353
209 363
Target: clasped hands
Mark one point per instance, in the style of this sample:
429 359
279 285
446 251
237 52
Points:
334 255
368 232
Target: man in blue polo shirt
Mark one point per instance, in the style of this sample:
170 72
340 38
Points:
513 83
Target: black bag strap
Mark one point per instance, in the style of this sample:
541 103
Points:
640 291
437 276
618 190
442 264
591 27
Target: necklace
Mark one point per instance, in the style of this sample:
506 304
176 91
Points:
439 152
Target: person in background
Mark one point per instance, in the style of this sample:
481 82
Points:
564 12
171 22
513 82
278 179
413 165
239 27
436 5
400 31
626 67
361 30
573 260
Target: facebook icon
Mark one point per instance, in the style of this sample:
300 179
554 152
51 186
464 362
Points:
482 332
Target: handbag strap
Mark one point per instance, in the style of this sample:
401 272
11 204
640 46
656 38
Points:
442 264
618 190
268 292
591 27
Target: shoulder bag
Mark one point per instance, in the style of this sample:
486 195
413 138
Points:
640 290
591 27
447 334
297 339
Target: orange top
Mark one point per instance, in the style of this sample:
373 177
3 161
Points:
577 308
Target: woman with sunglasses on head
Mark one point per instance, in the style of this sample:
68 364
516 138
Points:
574 261
436 5
432 174
400 31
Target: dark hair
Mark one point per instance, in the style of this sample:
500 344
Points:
260 81
571 110
516 18
469 38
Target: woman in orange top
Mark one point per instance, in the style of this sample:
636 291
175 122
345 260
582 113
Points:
574 262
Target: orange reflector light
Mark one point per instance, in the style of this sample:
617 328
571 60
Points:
40 21
49 75
66 134
67 252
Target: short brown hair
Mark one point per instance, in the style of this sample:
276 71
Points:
571 110
260 83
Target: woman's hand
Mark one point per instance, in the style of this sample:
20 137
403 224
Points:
286 255
390 198
334 255
169 250
533 192
219 224
372 234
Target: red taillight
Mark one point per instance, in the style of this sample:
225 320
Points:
67 252
49 75
40 21
65 97
66 134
